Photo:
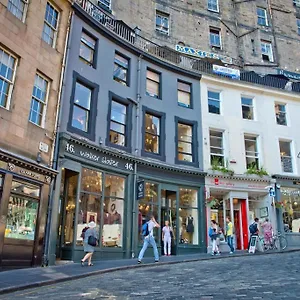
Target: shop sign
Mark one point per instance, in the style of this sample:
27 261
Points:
229 72
97 157
271 192
140 189
202 54
291 75
235 184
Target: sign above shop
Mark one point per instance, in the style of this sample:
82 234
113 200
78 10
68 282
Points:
97 157
229 72
202 54
291 75
140 186
223 183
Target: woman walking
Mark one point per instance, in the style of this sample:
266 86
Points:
214 234
268 229
89 243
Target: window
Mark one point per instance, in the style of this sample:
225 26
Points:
188 216
214 103
117 134
105 3
18 8
121 69
38 100
152 133
82 106
162 22
247 108
286 156
50 25
280 110
215 37
213 5
298 25
153 84
7 77
185 142
262 16
216 148
87 49
267 52
252 158
184 93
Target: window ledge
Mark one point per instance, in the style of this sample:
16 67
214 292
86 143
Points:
39 126
214 11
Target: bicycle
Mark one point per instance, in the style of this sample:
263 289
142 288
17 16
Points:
278 242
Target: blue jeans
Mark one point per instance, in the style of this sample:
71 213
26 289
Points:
230 242
149 240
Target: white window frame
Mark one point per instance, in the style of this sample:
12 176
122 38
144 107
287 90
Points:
262 17
298 24
218 46
291 155
211 130
162 15
211 3
24 11
104 3
45 103
252 106
267 45
248 136
12 82
54 29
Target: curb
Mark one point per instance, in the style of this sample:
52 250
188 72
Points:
111 270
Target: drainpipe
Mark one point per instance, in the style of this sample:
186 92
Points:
54 151
136 152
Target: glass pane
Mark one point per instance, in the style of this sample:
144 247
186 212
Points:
114 186
188 226
152 124
285 149
185 147
118 112
120 73
185 157
287 164
91 181
214 106
80 119
188 198
112 231
89 41
89 211
151 143
151 192
25 188
216 139
153 76
247 112
117 127
246 101
185 87
122 61
252 162
86 53
213 95
82 96
185 132
21 218
184 98
117 138
250 144
152 88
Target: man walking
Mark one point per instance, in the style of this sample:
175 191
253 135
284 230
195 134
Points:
229 233
253 228
149 239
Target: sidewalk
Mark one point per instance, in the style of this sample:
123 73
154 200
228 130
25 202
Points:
15 280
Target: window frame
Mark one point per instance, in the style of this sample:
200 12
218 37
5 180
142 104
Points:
55 29
271 54
262 17
46 100
279 111
24 13
194 124
95 55
246 105
213 99
127 82
291 156
93 107
248 136
190 93
159 97
162 15
215 29
222 148
209 2
128 126
162 137
102 4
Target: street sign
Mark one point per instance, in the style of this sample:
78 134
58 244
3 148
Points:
140 186
272 192
253 242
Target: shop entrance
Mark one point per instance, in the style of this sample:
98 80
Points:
240 223
169 213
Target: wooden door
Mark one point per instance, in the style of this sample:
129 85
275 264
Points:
237 229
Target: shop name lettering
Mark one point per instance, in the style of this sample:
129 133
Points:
28 173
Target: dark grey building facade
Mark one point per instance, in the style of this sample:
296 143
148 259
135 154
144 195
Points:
127 120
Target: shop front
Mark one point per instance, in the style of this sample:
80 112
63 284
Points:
24 192
241 199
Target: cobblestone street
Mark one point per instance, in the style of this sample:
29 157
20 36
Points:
254 277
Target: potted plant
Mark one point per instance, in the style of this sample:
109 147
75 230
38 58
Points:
211 201
217 165
253 169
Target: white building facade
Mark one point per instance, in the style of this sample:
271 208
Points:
251 142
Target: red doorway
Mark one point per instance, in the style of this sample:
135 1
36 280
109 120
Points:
237 229
241 225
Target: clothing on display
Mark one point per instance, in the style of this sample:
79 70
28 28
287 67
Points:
190 224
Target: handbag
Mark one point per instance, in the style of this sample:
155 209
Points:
92 241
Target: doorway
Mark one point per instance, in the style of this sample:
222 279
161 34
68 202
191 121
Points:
240 223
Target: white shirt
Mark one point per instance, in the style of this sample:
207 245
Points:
166 230
151 226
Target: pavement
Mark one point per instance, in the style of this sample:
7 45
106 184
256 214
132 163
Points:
18 280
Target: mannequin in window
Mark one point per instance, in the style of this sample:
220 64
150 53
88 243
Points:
107 217
190 227
115 216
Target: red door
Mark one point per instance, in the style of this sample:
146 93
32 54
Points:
244 222
237 229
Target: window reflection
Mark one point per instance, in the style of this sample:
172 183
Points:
25 188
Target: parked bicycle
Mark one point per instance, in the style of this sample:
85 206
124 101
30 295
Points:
278 242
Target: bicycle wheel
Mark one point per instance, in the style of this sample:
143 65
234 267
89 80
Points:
283 242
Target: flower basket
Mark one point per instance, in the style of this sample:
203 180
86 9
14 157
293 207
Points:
211 201
279 204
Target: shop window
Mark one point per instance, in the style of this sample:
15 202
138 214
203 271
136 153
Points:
121 69
50 25
286 156
252 157
262 16
267 51
213 5
188 216
153 84
148 205
280 111
162 22
217 211
22 211
216 148
87 49
18 8
214 103
152 133
184 93
185 142
247 108
215 37
113 214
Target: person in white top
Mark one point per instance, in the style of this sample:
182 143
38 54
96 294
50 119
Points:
166 236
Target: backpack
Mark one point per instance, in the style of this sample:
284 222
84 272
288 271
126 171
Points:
211 232
253 228
145 230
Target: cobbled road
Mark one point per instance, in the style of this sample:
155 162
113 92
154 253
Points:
271 277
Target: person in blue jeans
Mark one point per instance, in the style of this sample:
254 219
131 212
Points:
229 233
149 240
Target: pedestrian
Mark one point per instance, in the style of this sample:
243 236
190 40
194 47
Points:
268 230
167 238
213 234
229 234
253 228
89 243
149 238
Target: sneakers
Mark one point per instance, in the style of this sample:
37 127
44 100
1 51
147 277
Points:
230 252
139 262
156 261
